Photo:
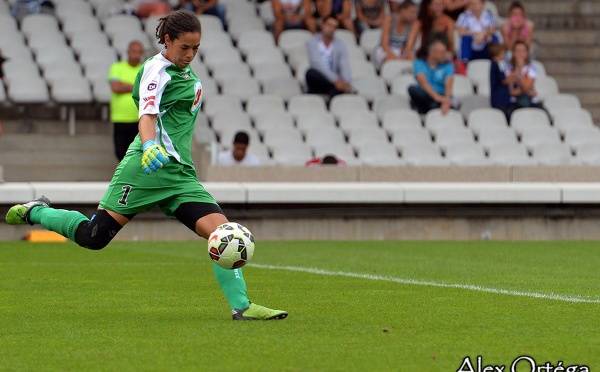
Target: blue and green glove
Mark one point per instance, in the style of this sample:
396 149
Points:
154 156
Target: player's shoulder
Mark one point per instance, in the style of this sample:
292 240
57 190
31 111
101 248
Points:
156 65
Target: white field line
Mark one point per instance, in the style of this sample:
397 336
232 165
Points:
427 283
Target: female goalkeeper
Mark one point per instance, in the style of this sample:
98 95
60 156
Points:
157 169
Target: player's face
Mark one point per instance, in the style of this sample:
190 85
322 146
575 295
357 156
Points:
182 51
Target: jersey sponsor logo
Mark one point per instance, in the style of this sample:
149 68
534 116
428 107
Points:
197 97
151 86
149 101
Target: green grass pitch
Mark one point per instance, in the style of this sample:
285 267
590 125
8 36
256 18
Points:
354 306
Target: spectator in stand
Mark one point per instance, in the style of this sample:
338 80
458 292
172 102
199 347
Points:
239 154
522 90
210 7
432 24
152 8
517 27
339 9
123 111
500 81
292 14
329 71
435 77
328 159
454 8
25 7
477 28
394 34
369 14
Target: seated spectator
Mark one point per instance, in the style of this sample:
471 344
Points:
432 24
476 27
517 27
394 34
454 8
239 154
339 9
23 8
435 77
369 14
522 90
152 8
328 159
292 14
210 7
500 81
329 71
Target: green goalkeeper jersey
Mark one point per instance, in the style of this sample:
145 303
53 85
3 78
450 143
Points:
174 95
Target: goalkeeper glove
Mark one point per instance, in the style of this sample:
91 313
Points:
154 156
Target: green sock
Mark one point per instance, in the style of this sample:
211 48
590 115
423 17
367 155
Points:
61 221
233 285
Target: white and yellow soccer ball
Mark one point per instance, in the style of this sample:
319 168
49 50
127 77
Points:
231 245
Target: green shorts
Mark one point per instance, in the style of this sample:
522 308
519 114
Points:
132 191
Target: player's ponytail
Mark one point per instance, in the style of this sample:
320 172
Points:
176 23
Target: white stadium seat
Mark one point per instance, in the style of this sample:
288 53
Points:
524 118
306 102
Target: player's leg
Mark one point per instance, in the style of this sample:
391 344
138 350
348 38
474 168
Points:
203 218
93 234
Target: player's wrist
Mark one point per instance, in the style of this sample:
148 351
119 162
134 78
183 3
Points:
148 144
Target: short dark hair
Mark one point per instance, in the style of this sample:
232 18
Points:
495 49
176 23
241 137
329 159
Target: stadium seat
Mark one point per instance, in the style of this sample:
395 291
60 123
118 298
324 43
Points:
275 70
391 69
579 136
37 24
306 102
347 37
80 24
209 87
290 39
553 154
286 87
101 90
90 43
588 153
462 87
227 134
265 102
483 88
214 40
470 103
265 120
486 118
357 119
220 55
265 56
466 154
292 153
229 121
524 118
368 135
385 103
369 40
362 69
401 118
215 104
281 134
410 136
314 120
370 87
401 83
242 87
560 101
231 70
566 119
244 25
265 12
298 57
453 136
423 155
545 86
510 154
347 102
203 134
72 90
479 70
539 68
496 135
532 137
210 23
379 155
255 39
324 136
3 97
31 89
435 120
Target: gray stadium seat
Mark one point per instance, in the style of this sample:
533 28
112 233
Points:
370 87
435 120
324 136
379 155
313 120
347 102
466 154
391 69
401 83
231 70
579 136
566 119
410 136
242 87
361 69
283 134
226 121
265 120
215 104
264 103
369 40
286 87
492 136
265 72
510 154
545 86
525 118
265 56
290 39
243 25
357 119
31 89
553 154
255 39
470 103
479 70
588 153
462 87
306 102
210 23
385 103
423 155
101 90
532 137
367 135
72 90
452 136
291 153
486 118
401 118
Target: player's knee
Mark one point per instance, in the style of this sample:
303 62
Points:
98 232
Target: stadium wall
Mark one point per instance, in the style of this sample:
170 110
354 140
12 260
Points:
360 211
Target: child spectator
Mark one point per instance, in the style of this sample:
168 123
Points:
394 34
517 27
500 81
476 27
369 14
435 77
292 14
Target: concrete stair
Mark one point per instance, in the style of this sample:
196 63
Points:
567 39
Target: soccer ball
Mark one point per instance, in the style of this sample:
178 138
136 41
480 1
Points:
231 245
